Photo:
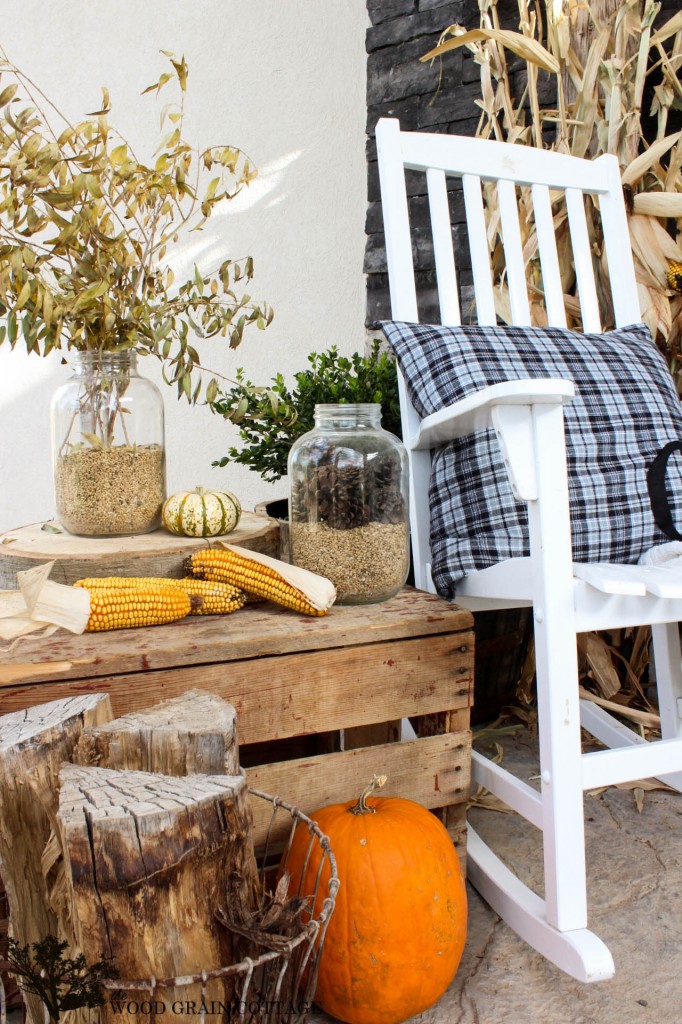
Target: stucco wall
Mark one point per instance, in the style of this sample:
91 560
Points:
285 81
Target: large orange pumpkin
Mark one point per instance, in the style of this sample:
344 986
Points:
396 936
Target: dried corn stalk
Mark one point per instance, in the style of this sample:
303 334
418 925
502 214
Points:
601 58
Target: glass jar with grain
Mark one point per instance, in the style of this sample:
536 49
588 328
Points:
348 515
108 447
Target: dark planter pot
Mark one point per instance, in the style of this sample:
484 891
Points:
278 509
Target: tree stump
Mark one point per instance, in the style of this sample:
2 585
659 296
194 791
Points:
194 734
33 746
150 859
145 847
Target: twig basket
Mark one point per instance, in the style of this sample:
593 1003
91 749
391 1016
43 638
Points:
277 984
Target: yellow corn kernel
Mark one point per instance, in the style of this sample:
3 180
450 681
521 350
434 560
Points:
218 598
227 566
124 608
674 276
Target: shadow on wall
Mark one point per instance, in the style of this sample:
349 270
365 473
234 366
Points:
208 247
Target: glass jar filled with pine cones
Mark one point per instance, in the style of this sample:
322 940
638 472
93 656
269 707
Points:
348 514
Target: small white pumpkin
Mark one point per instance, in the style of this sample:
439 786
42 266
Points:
201 513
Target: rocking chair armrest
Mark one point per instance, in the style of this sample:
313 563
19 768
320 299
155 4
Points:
473 413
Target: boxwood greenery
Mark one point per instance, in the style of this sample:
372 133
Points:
271 418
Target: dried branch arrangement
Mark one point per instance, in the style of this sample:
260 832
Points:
86 227
600 58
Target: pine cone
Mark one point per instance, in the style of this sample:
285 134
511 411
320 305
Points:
305 490
387 498
344 489
348 498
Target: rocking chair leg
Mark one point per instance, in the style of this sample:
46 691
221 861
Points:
563 825
556 661
668 662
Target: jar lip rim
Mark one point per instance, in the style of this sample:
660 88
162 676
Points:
96 355
351 408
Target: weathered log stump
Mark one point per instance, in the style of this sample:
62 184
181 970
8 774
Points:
194 734
151 837
33 746
150 860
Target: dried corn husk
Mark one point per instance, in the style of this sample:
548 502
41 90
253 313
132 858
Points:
320 591
601 668
658 204
652 246
41 605
635 171
645 718
523 46
671 28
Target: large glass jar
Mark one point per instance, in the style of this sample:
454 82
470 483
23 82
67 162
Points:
108 447
348 507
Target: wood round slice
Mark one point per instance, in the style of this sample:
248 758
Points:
151 554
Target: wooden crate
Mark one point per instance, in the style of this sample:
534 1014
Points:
318 700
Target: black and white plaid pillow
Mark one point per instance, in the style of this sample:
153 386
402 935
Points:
625 411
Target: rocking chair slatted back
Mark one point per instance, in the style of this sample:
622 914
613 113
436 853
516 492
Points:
548 174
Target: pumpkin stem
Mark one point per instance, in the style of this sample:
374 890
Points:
361 806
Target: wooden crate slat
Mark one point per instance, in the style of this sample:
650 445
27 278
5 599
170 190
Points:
298 694
254 632
433 771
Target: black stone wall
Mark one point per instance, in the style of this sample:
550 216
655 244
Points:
398 85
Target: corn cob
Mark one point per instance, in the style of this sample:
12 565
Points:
218 598
144 606
255 576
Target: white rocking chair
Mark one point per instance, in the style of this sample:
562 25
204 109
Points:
567 598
